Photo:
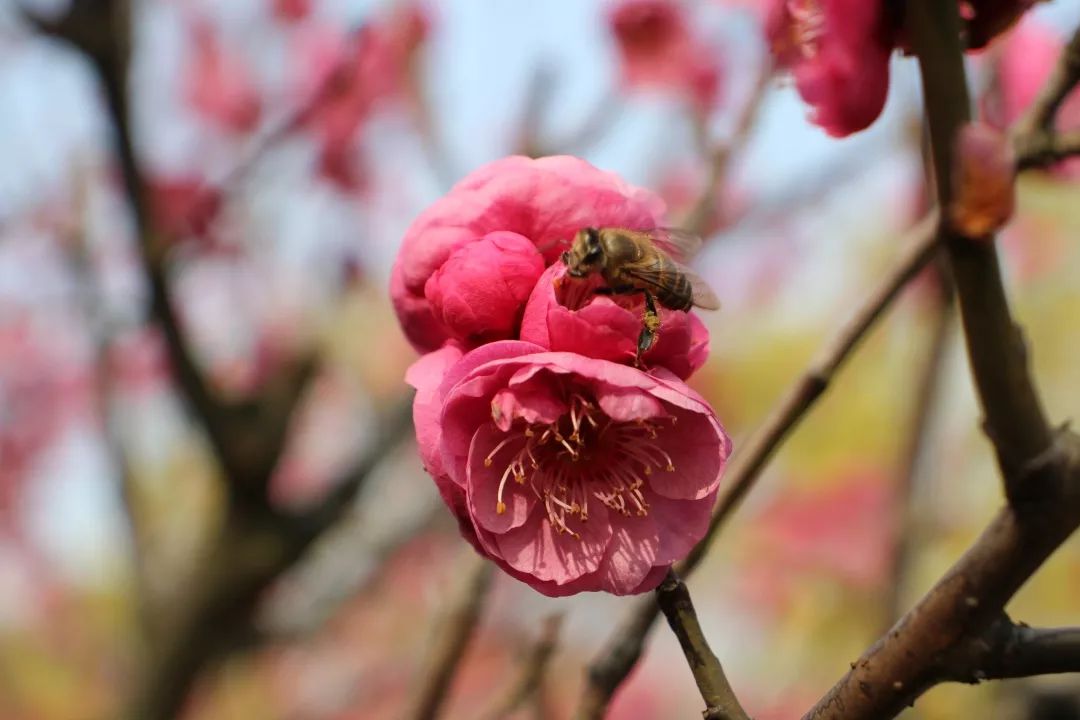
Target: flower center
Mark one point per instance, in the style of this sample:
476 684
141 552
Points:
581 457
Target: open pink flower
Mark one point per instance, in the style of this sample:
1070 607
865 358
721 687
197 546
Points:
838 51
479 293
657 50
565 314
571 473
545 200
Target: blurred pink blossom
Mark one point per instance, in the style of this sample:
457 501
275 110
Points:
571 473
42 388
346 76
218 84
843 531
545 201
1028 56
291 11
658 50
565 314
838 51
184 207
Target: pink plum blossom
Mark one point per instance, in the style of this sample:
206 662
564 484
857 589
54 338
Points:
184 207
657 50
545 200
571 473
838 51
291 11
566 314
479 293
347 77
219 85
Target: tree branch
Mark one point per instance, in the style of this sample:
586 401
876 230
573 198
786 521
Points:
616 659
1040 467
697 219
1037 140
927 385
720 701
454 635
747 465
1042 148
1013 650
619 656
534 669
1065 76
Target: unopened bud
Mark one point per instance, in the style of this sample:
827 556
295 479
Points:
984 173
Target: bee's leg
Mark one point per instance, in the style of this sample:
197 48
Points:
650 324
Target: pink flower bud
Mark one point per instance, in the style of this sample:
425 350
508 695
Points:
566 314
570 473
479 293
984 175
546 201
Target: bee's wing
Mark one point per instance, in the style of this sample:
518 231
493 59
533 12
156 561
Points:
703 295
658 276
678 244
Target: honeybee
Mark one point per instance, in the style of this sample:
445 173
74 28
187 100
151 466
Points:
642 261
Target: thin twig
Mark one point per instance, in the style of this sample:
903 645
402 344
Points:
720 701
604 114
756 452
454 635
1013 650
926 384
252 551
533 671
1040 149
620 655
1066 74
1040 467
616 659
697 218
1035 136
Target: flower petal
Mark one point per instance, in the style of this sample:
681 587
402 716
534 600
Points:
698 450
680 523
537 550
484 479
631 553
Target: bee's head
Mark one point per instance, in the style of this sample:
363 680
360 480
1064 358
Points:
585 255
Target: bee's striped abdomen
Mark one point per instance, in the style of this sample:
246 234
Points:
675 292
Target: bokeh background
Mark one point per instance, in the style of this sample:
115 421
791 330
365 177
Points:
288 206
